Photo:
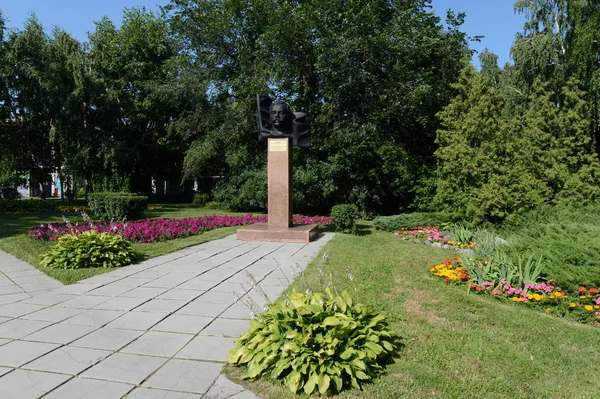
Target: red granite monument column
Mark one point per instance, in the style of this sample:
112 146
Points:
279 172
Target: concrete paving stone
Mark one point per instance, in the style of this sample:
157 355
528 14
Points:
224 298
94 317
155 343
105 278
151 274
223 388
137 320
149 393
77 289
109 290
4 370
59 333
244 395
83 388
11 289
24 384
182 295
36 288
12 298
121 303
53 314
67 360
4 319
185 375
238 311
145 292
124 367
4 341
49 299
84 302
229 287
170 280
202 347
238 278
160 305
19 309
199 308
227 328
198 283
185 324
17 353
108 339
18 328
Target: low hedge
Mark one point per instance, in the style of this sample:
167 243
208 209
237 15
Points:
27 205
118 206
411 220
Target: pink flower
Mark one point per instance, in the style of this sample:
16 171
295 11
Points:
496 292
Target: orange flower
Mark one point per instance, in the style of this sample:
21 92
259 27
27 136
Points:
581 289
593 290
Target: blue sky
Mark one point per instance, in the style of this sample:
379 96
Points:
493 19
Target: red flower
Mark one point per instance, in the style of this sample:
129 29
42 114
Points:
478 288
581 289
473 285
593 290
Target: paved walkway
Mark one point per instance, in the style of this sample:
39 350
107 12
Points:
158 329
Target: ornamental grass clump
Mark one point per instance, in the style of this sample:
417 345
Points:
89 249
316 343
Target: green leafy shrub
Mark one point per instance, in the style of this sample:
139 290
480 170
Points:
461 233
568 238
201 199
89 249
117 206
412 220
27 205
316 343
344 216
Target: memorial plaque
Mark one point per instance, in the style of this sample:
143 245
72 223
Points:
278 145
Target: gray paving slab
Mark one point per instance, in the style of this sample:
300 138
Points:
83 388
223 388
94 317
108 339
19 309
137 320
17 353
185 324
4 370
158 343
59 333
125 367
67 360
26 384
149 393
227 328
214 349
180 294
53 314
185 375
18 328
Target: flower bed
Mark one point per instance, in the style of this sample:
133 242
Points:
583 305
151 230
432 234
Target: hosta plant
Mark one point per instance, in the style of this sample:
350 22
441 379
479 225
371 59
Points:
89 249
316 343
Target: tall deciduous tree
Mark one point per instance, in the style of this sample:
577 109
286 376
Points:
371 74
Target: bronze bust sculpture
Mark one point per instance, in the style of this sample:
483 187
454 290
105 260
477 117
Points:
275 119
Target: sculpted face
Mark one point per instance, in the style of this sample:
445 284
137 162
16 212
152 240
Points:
279 114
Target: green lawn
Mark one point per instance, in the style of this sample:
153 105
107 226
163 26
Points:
14 239
456 345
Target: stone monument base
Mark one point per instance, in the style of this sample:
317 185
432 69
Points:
262 232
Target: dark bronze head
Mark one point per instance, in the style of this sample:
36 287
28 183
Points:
279 113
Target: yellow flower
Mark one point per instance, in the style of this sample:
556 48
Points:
572 305
582 297
537 297
515 298
548 309
597 307
589 308
529 296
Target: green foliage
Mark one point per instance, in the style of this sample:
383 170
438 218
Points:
344 217
89 249
316 343
27 205
412 220
117 206
568 238
461 233
201 199
372 98
246 192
